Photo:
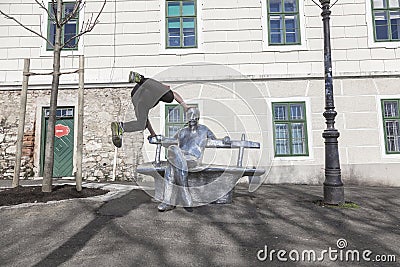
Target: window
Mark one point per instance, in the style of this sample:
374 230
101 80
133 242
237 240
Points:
175 119
290 129
181 24
386 20
69 30
283 22
391 120
60 113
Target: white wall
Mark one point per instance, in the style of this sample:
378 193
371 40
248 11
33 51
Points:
233 34
129 36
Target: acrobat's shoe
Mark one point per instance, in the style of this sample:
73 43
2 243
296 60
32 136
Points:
165 207
135 77
117 131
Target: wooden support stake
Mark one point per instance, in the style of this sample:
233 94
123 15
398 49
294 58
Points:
21 125
78 176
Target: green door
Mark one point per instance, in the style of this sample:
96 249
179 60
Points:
63 142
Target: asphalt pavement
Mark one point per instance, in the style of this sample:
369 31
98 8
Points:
277 225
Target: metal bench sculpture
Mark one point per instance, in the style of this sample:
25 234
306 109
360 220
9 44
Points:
206 183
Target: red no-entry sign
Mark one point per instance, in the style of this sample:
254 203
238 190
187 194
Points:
61 130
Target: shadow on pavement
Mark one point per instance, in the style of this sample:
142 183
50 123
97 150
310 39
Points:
104 215
278 216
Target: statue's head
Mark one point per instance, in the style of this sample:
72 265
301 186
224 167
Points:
135 77
193 116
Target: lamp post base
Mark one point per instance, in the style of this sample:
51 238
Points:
333 195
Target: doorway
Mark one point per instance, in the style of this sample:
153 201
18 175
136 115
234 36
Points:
63 141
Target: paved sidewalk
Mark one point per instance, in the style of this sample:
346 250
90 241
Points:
127 230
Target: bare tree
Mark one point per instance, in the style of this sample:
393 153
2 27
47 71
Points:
60 19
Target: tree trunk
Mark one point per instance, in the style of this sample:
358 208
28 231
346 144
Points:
49 150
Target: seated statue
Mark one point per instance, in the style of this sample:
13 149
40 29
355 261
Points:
188 154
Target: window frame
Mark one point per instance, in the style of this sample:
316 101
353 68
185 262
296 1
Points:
168 123
181 122
50 21
385 119
181 18
289 122
283 14
44 52
302 46
387 11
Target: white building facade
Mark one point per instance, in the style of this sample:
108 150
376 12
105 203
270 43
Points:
251 66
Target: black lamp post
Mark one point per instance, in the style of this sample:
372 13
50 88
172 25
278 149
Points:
333 185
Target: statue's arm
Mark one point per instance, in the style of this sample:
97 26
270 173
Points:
210 135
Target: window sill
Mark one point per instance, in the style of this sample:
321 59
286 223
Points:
384 44
284 47
181 51
392 155
282 159
49 53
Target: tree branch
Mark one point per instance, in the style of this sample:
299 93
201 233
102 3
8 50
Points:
77 8
86 27
43 6
54 7
26 28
